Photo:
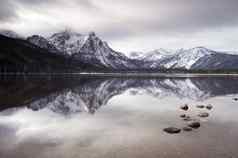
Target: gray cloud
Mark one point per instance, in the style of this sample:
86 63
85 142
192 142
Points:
7 11
124 19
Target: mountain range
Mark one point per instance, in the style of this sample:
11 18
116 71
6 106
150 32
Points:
79 52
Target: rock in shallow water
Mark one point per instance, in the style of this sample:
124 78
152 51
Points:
184 107
183 116
187 129
187 118
172 130
194 124
209 107
200 106
236 99
203 114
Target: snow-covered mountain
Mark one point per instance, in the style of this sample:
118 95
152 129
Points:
90 51
68 42
42 43
158 54
86 49
187 58
194 58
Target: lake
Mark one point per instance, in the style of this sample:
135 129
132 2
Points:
118 117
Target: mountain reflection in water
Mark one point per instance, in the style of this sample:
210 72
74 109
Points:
67 95
105 117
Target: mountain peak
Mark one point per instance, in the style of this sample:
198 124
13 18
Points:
68 42
92 33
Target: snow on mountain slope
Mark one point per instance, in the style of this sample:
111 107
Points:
90 51
68 42
42 43
158 54
98 52
187 58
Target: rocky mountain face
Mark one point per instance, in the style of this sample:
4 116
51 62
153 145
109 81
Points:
42 43
87 49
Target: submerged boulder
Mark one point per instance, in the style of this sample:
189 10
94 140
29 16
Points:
194 124
172 130
203 114
183 116
209 107
184 107
200 106
187 118
187 129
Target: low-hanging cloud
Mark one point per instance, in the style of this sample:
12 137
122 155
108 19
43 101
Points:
124 19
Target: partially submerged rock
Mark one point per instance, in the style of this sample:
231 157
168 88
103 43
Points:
187 129
184 107
194 124
236 99
183 116
203 114
209 107
172 130
187 118
200 106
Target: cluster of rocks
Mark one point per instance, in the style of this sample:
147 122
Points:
192 123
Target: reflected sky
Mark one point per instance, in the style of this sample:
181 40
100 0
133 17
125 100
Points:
108 117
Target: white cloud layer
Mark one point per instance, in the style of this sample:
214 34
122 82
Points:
130 25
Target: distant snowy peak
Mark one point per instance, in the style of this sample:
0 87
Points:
158 54
136 55
68 42
186 58
10 34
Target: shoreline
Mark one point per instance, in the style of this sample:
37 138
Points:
125 74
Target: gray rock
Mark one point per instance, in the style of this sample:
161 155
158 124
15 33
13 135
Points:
187 118
187 129
194 124
172 130
200 106
203 114
209 107
236 99
183 116
184 107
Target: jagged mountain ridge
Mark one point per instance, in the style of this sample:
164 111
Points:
198 58
87 49
90 51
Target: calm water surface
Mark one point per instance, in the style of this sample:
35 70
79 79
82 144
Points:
80 117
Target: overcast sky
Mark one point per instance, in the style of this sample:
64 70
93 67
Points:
130 25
